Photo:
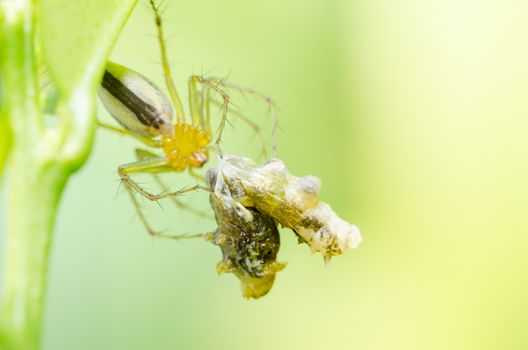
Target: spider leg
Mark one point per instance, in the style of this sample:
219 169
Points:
199 106
143 155
147 141
154 165
252 125
180 116
245 90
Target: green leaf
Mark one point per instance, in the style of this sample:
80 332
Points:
77 37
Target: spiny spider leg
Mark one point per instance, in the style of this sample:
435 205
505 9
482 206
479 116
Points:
180 114
147 141
153 232
268 100
153 165
144 154
195 104
252 125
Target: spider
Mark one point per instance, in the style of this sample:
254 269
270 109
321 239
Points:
146 114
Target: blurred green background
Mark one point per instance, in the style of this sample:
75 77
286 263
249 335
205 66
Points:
414 115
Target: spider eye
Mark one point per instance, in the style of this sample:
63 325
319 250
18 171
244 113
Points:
134 101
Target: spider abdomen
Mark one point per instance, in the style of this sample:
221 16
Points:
134 101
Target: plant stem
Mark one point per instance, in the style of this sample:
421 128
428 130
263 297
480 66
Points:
36 183
22 290
33 199
41 159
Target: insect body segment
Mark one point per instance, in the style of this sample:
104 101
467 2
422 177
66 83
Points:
291 201
249 240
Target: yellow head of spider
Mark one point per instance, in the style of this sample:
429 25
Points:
186 146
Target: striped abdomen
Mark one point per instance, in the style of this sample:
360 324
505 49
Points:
134 101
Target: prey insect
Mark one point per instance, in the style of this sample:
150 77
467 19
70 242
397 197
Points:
249 240
291 201
146 114
249 201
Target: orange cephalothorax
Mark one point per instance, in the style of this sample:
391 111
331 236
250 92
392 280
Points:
186 146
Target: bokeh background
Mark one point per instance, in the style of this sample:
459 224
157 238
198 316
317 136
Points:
414 115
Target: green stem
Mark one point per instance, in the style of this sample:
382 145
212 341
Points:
33 199
28 240
5 140
36 183
41 159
